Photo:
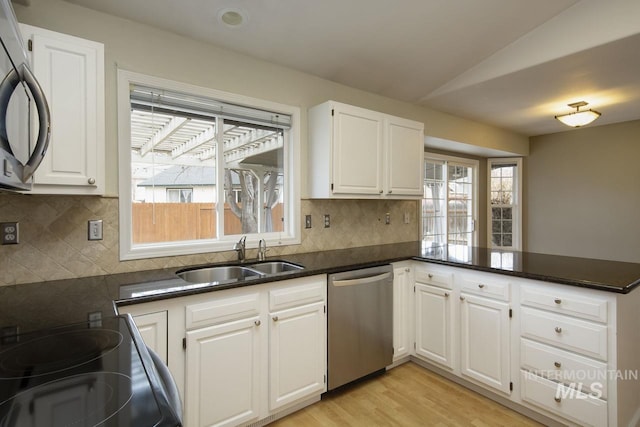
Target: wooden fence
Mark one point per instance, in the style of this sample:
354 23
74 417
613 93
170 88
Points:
167 222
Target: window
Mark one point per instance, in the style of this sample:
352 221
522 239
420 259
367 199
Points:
200 168
505 208
449 206
179 195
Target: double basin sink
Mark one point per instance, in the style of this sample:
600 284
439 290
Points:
223 274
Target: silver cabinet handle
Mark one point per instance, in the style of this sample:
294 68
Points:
362 281
257 323
557 301
480 285
557 399
557 364
558 329
91 181
275 318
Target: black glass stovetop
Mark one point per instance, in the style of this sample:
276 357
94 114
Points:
79 375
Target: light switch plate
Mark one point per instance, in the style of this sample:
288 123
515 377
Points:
95 229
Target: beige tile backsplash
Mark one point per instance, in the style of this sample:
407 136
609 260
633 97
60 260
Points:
54 245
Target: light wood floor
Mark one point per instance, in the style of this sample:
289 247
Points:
407 395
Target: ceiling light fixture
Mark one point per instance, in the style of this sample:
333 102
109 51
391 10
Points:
232 17
578 118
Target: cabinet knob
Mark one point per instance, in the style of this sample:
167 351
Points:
430 276
257 323
407 270
558 329
480 285
91 181
461 298
390 191
275 318
557 364
557 301
446 294
380 191
557 399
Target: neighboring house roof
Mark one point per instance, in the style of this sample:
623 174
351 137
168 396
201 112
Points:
181 176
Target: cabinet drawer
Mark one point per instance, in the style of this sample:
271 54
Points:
580 408
486 285
563 366
577 335
563 302
434 277
287 297
222 309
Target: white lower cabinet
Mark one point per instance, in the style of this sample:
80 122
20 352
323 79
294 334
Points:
434 324
223 374
296 354
462 325
245 354
484 341
153 329
569 354
402 285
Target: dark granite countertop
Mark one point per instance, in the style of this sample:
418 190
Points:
44 304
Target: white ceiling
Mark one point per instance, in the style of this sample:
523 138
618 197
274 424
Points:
511 63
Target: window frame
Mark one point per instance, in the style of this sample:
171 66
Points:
458 161
130 251
516 216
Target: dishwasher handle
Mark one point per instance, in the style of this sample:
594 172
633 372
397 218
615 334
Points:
362 280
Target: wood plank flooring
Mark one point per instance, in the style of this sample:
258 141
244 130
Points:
407 395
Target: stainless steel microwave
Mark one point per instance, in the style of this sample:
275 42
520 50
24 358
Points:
19 94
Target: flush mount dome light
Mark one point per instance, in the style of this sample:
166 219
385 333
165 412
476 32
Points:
232 17
578 118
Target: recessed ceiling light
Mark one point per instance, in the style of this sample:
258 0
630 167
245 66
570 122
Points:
232 17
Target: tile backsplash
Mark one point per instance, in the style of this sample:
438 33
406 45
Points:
54 244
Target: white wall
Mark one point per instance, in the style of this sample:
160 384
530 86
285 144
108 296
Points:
151 51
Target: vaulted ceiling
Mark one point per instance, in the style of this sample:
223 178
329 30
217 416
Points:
510 63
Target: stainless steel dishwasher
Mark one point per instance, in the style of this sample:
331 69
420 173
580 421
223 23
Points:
360 323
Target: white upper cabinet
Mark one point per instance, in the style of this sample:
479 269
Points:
359 153
71 73
404 157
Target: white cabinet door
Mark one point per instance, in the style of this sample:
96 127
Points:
401 312
404 157
297 347
71 73
153 329
434 324
357 150
223 374
484 341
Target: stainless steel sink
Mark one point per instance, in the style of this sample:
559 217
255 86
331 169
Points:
276 267
220 274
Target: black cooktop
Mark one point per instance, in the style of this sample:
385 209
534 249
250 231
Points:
78 375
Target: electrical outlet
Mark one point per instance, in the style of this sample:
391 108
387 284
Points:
95 319
9 335
307 221
10 233
387 218
327 221
95 229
